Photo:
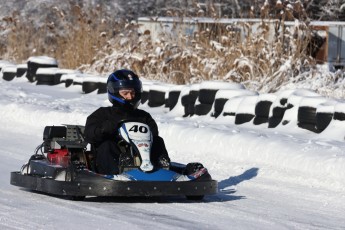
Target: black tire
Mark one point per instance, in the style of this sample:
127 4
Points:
339 116
323 120
102 88
68 82
306 114
185 104
144 97
241 118
89 86
202 109
219 106
193 96
185 100
58 78
262 108
173 99
206 96
156 98
8 76
278 112
21 71
46 79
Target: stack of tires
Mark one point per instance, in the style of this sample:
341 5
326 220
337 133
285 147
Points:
39 62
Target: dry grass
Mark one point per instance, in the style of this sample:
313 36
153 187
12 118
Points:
92 42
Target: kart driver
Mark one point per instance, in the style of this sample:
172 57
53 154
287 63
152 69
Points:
101 128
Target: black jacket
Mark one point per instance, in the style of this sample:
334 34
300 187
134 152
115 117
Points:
102 124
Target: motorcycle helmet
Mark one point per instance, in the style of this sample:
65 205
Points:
124 79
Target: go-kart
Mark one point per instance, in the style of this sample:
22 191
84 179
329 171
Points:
63 165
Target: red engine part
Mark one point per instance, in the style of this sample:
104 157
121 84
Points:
59 157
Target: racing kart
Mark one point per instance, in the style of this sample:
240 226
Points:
63 165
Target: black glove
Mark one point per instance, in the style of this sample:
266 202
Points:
109 127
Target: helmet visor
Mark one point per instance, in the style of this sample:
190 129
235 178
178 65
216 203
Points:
115 87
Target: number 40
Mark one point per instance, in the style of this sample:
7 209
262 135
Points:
136 128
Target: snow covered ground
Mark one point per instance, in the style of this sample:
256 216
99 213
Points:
278 178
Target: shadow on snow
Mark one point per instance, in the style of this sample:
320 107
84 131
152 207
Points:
226 187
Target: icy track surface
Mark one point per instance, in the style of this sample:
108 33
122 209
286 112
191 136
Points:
268 178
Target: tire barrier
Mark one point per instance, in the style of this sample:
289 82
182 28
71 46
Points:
226 102
39 62
9 72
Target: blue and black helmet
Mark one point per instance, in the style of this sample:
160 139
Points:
124 79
